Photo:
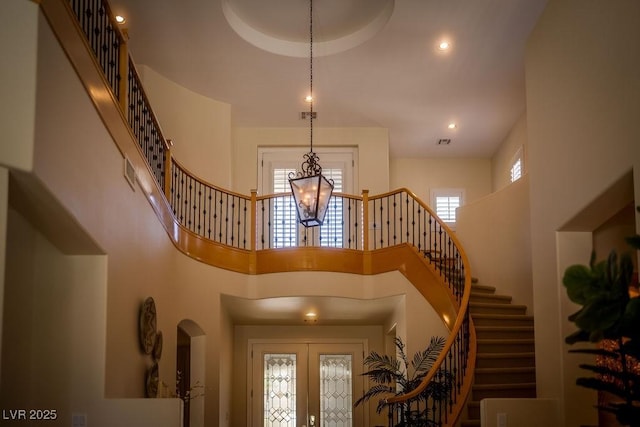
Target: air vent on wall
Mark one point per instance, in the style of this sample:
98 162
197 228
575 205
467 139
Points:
444 141
306 114
130 173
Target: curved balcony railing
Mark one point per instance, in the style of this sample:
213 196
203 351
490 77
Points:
250 225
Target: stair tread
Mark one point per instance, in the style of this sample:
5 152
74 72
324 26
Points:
502 316
497 305
496 299
503 386
477 287
506 369
505 355
505 340
486 295
505 328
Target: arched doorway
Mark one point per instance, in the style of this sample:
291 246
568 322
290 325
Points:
190 371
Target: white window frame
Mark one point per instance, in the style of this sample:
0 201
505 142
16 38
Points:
273 158
449 193
516 170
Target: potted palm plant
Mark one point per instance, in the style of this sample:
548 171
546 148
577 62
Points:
609 315
393 376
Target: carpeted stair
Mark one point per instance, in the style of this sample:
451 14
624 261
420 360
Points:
505 363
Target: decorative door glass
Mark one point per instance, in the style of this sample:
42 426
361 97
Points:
306 384
279 390
336 390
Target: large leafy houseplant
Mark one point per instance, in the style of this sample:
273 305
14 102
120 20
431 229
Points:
393 376
609 315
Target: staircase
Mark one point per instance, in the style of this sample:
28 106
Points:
505 363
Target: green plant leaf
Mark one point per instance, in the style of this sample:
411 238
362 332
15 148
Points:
627 414
423 360
578 280
634 241
383 376
600 314
630 322
615 373
632 347
403 356
577 336
374 391
596 352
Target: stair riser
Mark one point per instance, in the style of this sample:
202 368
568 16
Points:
473 412
515 321
509 335
512 362
498 309
504 393
491 299
505 347
505 378
481 290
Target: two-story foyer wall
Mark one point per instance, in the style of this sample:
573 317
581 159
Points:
199 127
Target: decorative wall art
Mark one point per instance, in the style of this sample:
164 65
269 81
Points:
151 344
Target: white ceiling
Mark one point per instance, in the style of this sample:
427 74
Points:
292 310
391 74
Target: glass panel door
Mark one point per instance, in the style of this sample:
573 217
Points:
279 390
334 379
305 385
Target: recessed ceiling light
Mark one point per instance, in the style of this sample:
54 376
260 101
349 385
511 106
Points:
452 125
444 45
120 19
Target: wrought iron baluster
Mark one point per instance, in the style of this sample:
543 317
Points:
388 224
375 225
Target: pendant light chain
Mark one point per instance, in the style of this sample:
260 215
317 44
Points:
310 190
311 72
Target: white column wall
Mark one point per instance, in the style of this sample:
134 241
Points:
583 103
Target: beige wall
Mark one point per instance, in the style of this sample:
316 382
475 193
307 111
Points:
495 233
502 158
372 145
55 318
18 70
610 236
200 127
4 206
423 175
519 412
582 109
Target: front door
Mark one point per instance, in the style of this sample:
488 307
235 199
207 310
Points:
306 384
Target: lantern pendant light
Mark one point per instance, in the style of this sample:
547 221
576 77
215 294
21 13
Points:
311 190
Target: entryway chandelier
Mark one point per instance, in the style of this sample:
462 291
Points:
311 190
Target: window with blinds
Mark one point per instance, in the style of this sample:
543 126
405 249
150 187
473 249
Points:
517 166
331 231
446 207
285 222
516 170
275 163
445 202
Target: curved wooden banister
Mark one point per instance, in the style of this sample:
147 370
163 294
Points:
407 235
